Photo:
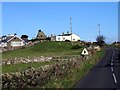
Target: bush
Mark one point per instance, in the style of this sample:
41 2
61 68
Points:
100 40
76 47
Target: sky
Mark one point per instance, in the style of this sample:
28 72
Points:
54 18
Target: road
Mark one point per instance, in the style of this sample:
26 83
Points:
105 74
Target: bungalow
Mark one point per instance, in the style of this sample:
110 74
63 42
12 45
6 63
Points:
11 42
70 37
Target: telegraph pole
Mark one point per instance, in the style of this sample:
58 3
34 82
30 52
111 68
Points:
71 27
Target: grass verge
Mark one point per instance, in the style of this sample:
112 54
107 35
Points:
70 79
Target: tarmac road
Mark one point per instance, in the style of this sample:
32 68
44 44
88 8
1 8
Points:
105 74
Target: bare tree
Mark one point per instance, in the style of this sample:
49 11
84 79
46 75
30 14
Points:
100 40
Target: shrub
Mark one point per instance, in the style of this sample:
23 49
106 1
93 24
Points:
76 47
100 40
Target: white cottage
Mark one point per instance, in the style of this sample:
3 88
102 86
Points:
70 37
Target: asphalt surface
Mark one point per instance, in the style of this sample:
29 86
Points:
105 74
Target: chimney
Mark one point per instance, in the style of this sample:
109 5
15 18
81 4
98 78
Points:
39 30
15 34
67 32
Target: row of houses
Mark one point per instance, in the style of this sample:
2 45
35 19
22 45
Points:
62 37
11 42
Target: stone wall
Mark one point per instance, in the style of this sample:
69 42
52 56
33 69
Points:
36 77
25 60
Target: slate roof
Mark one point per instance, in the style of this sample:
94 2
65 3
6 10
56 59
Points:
7 39
65 35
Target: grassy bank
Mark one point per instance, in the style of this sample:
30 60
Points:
44 49
62 49
69 80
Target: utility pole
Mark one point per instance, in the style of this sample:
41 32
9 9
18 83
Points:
99 28
71 27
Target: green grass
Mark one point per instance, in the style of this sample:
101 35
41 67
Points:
21 67
70 79
62 49
44 49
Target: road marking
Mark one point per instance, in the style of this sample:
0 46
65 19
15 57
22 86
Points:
111 64
114 77
115 80
112 69
113 52
113 55
111 60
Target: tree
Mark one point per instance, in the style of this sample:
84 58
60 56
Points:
24 36
100 40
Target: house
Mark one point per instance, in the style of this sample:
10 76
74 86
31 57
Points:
41 35
11 42
65 37
51 38
3 43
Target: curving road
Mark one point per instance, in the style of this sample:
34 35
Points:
105 74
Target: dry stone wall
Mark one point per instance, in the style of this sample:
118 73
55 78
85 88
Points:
36 77
25 60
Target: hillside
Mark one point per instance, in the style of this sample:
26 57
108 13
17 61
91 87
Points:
44 49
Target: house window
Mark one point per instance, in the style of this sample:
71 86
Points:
73 39
41 36
59 39
16 43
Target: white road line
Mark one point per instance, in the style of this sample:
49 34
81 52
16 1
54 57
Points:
111 64
115 80
113 52
113 55
112 69
111 60
114 77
